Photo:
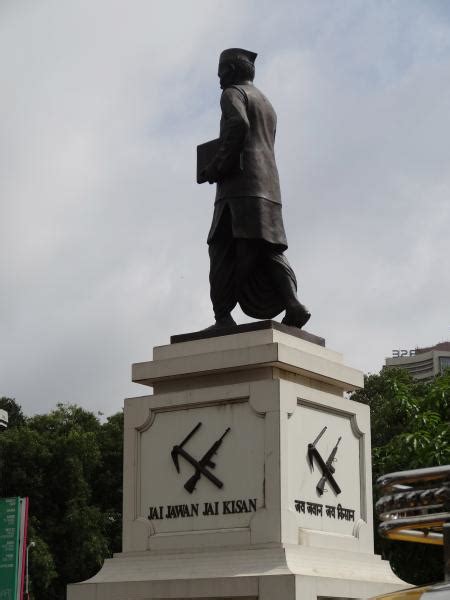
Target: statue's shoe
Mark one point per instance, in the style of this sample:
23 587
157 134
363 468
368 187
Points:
227 321
297 316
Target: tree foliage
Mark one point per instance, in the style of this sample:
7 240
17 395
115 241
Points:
70 466
410 423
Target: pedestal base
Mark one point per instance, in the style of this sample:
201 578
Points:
285 572
247 474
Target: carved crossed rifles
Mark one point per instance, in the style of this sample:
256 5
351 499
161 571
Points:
325 466
201 466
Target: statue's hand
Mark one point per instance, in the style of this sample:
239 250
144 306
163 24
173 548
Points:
210 173
204 176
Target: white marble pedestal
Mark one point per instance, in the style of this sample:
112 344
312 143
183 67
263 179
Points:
252 520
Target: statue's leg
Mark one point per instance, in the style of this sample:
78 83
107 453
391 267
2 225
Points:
283 279
221 278
248 254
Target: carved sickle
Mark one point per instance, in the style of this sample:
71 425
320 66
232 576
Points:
174 452
312 446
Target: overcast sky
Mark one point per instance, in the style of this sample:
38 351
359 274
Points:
103 229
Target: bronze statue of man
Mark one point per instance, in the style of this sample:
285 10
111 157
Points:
247 238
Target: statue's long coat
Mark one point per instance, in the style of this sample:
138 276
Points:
245 167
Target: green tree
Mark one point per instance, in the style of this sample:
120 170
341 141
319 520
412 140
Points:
107 493
69 465
410 423
42 566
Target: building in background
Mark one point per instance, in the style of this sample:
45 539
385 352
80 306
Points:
422 363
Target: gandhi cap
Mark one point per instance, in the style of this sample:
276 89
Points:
237 54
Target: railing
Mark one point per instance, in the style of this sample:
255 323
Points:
415 507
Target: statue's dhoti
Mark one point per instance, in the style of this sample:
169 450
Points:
247 262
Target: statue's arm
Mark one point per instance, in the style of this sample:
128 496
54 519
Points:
234 128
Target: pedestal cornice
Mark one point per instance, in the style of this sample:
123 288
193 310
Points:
247 351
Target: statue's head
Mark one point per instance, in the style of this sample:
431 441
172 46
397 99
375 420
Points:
236 65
